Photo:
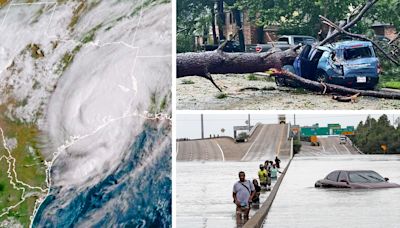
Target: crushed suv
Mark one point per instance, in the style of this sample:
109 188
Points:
348 63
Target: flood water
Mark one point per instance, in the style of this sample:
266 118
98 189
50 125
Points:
299 204
204 192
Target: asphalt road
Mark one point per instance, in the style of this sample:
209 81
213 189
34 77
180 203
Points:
199 150
328 146
267 142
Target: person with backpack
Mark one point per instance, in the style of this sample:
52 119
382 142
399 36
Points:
243 193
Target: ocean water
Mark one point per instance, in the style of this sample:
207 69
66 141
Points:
136 194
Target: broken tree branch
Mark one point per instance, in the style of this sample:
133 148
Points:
351 23
361 37
331 88
222 46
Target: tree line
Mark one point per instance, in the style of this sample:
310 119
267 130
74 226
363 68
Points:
378 136
198 17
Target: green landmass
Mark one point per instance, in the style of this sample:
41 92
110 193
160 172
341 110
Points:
29 167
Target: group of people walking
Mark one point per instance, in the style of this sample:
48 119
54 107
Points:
246 192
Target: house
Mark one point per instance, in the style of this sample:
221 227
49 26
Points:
384 30
252 34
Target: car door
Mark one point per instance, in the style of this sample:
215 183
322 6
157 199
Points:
343 180
301 63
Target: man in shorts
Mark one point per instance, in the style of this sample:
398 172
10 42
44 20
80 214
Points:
243 193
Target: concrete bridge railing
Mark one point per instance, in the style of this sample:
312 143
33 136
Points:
258 219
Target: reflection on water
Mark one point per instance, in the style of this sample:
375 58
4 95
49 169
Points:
299 204
204 193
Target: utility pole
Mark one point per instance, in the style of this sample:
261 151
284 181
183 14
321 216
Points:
202 127
294 117
249 122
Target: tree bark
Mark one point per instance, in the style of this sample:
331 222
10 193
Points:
218 62
331 88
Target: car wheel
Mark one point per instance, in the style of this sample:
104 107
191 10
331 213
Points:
280 81
321 76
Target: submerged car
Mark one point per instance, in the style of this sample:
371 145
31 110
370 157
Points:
347 63
355 179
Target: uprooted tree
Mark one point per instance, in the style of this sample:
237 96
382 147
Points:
204 64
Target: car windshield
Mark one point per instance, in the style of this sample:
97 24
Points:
356 53
365 177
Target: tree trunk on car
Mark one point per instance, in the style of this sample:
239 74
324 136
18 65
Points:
204 64
218 62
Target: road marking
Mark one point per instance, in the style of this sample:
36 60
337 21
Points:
278 149
222 152
258 136
336 149
346 148
323 148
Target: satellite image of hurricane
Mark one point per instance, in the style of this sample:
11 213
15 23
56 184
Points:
85 113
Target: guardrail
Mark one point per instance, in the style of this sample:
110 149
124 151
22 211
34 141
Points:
258 219
254 128
291 149
354 146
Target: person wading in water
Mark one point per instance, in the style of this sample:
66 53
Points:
243 193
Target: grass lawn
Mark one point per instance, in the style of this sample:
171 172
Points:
391 85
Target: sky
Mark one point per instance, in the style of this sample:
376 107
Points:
188 125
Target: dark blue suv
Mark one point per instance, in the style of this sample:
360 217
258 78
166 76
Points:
348 63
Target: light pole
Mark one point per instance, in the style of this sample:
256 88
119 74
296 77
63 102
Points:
202 127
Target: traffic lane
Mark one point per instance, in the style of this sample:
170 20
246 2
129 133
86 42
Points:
199 150
265 145
328 146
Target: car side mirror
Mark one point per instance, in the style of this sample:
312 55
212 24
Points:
344 181
386 179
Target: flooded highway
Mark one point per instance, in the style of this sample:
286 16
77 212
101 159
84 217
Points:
299 204
204 192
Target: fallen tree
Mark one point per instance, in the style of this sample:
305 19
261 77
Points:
204 64
326 88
